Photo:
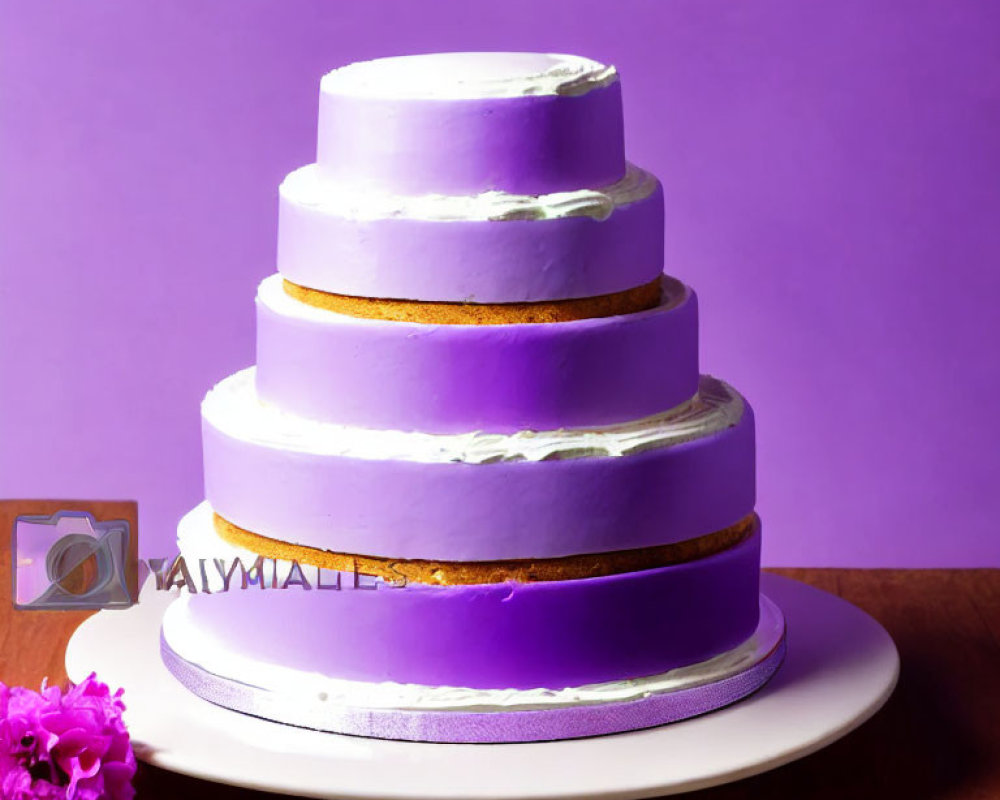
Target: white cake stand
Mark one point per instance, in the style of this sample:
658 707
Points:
840 668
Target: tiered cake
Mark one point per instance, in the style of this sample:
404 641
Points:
492 498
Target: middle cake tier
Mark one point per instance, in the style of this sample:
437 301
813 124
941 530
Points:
488 248
446 378
668 478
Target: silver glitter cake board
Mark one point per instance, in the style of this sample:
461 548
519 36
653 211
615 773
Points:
840 668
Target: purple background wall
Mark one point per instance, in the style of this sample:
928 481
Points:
832 173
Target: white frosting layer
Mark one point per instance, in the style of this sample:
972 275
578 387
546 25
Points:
197 539
232 406
456 76
306 187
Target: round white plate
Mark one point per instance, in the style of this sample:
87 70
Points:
840 668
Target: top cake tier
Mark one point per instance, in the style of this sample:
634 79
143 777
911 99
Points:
468 123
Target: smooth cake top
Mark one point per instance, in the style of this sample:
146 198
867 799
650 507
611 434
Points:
454 76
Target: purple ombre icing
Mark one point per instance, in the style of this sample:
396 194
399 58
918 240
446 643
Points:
476 498
415 171
550 634
475 178
455 378
503 250
522 123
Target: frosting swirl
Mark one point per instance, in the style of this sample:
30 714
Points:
306 187
233 407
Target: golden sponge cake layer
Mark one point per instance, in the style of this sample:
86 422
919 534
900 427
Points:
453 573
640 298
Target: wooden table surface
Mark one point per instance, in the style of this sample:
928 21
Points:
938 736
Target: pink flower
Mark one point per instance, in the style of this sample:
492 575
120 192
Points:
71 746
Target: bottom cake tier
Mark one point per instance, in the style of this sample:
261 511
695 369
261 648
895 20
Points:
500 662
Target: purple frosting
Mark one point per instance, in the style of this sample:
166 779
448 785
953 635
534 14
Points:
551 634
434 378
505 261
497 378
476 512
534 144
